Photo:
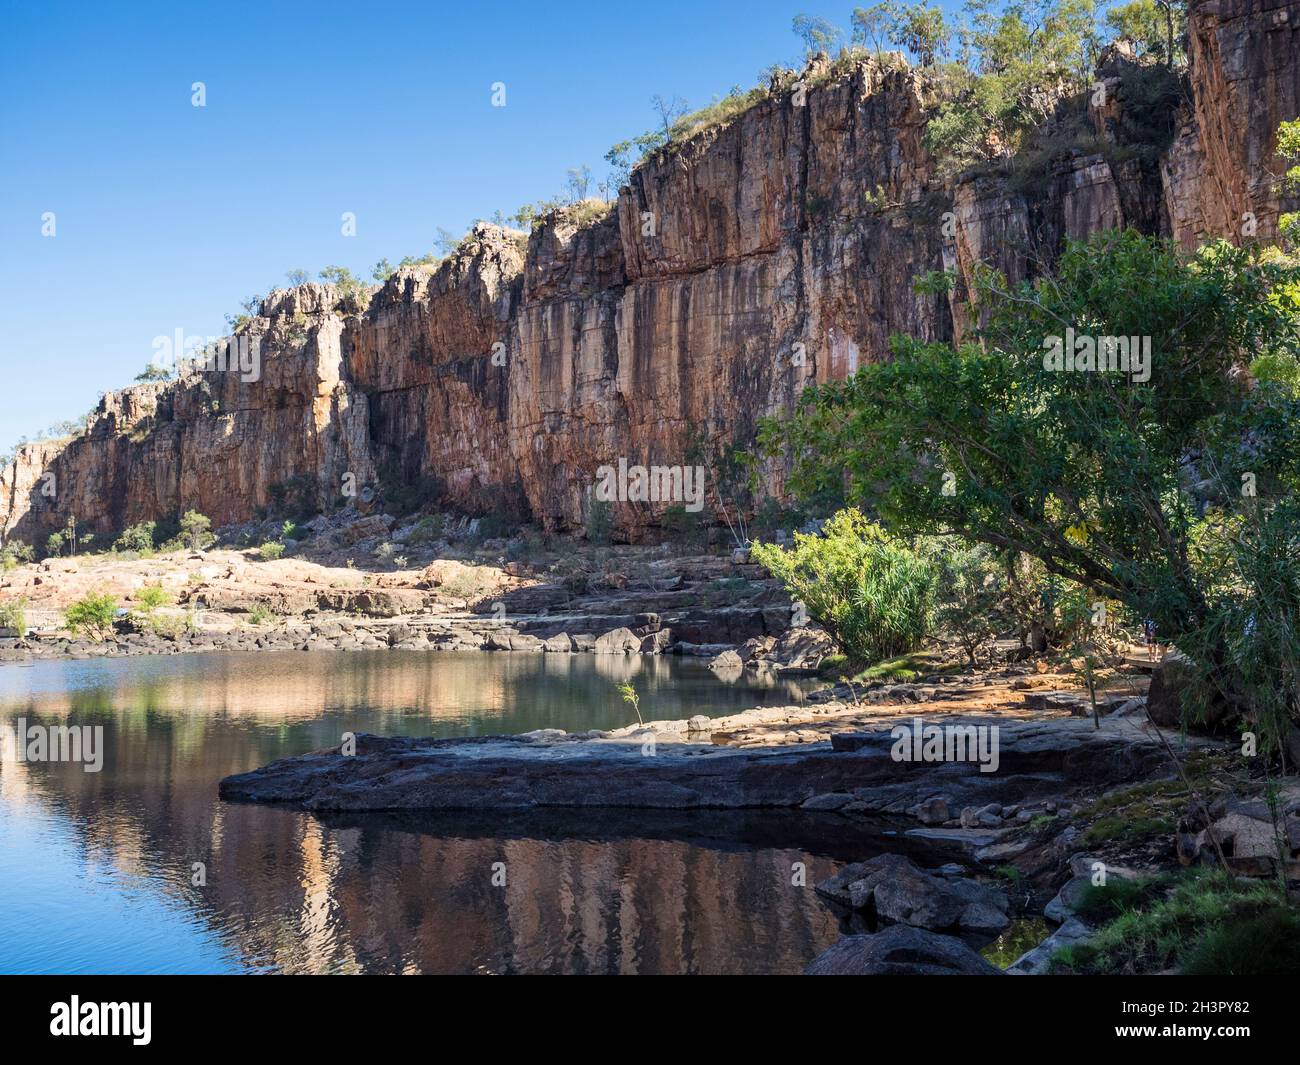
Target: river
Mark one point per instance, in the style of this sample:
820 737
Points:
139 868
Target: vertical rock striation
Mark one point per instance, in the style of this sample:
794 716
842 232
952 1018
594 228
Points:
735 269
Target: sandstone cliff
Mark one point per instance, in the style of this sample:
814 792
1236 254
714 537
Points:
734 270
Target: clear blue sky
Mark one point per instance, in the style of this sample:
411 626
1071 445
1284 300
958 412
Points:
169 215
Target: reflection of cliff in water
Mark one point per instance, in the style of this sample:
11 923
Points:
395 901
583 891
288 892
488 688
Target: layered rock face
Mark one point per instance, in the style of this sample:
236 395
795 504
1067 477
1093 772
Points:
1220 176
735 269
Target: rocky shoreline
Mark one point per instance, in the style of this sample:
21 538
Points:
674 765
374 582
915 912
1032 822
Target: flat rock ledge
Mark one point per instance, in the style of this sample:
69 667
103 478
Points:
555 769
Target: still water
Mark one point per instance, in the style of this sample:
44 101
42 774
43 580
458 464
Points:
97 869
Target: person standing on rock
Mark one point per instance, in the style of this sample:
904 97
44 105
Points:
1149 631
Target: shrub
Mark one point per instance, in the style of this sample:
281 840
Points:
403 495
1267 944
682 526
137 537
297 497
970 598
13 615
600 521
1207 919
197 529
576 583
472 583
427 530
151 597
874 595
772 516
171 627
271 550
14 552
1099 902
492 527
94 614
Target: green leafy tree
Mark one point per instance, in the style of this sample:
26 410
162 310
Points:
138 537
1155 28
93 614
971 598
1103 476
817 34
1288 147
873 594
920 28
345 281
871 25
197 529
15 552
1014 64
297 277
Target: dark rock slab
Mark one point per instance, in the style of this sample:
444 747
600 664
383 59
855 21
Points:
900 950
892 888
521 772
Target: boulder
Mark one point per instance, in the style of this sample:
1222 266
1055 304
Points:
727 662
753 650
1245 832
893 888
617 641
1171 702
900 951
1067 900
989 816
1037 961
800 649
559 643
932 811
657 643
364 529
